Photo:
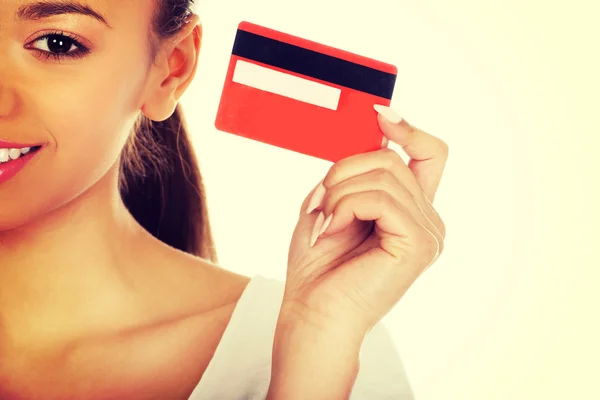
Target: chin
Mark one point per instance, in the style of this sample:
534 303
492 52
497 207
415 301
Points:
12 221
23 213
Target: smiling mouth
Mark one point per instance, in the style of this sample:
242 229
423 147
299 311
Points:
9 155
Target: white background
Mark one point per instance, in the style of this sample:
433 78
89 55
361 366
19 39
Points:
510 310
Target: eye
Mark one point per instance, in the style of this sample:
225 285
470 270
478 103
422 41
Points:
58 45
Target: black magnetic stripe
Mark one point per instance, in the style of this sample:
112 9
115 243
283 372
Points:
314 64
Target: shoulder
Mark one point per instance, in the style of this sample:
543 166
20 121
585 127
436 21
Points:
196 286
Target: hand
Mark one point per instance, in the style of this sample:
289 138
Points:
374 231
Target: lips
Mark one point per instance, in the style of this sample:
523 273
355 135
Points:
12 166
10 145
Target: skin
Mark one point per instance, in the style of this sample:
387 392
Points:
382 233
117 314
106 298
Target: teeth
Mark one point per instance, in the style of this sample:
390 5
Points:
12 154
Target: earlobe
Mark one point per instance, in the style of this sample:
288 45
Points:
176 72
159 111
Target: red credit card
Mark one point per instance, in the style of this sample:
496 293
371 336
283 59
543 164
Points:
303 96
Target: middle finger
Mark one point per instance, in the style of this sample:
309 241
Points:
383 159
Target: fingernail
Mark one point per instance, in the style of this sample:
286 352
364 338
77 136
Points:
326 224
316 198
317 228
387 113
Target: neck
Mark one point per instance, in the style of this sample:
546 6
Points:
72 269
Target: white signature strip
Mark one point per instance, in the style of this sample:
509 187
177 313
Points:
287 85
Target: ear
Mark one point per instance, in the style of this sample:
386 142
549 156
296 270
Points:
174 69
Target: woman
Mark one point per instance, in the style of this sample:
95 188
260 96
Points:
109 287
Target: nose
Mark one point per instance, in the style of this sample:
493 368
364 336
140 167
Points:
8 93
8 100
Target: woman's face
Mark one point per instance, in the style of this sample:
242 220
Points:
77 92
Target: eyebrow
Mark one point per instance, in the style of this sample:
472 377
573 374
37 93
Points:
45 9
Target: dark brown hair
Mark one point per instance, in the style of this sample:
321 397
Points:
160 180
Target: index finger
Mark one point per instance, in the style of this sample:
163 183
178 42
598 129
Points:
428 154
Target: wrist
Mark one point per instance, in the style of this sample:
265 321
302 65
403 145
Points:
297 315
313 335
313 357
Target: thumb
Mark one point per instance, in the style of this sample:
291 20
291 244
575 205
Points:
428 154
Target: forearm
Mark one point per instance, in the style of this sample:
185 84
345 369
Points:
310 362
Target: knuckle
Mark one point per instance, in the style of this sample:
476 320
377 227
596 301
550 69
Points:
382 176
435 216
440 248
430 248
426 242
345 203
444 148
442 228
330 199
386 180
404 195
393 159
438 231
332 174
439 224
382 198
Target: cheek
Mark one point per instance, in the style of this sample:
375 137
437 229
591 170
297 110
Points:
87 119
94 111
90 124
89 129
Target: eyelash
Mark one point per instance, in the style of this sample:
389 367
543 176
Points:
80 52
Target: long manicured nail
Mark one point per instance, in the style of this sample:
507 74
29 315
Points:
387 113
316 198
316 228
326 224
